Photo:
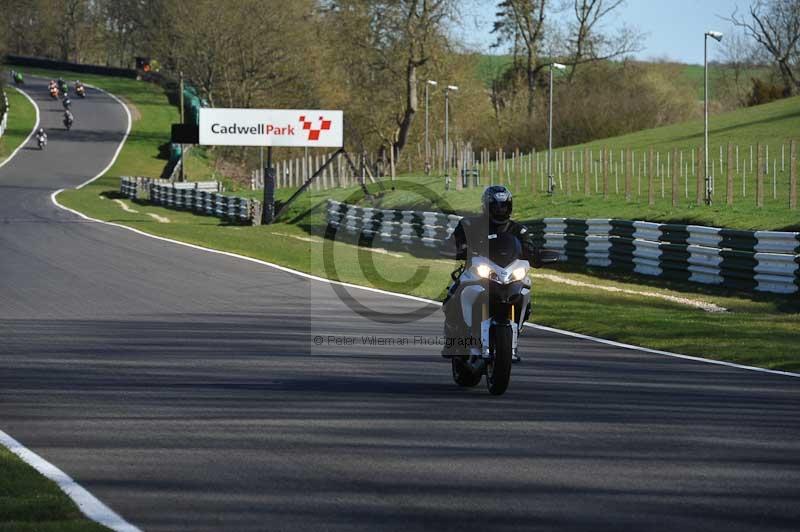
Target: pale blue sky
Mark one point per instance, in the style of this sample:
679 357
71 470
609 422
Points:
674 28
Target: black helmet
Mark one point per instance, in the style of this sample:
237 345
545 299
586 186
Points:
497 204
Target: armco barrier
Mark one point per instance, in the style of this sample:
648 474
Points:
767 261
405 227
199 197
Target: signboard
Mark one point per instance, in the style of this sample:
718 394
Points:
271 127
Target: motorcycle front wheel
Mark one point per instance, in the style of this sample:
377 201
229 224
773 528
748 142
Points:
498 371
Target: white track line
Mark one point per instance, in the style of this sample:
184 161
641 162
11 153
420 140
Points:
35 126
90 505
394 294
87 503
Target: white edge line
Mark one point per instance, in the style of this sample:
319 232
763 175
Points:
87 503
36 125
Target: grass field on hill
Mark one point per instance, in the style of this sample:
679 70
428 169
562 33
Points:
21 118
773 125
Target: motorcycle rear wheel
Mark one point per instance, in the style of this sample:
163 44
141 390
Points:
498 371
463 374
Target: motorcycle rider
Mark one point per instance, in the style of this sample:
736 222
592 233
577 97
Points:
79 88
472 236
41 137
68 119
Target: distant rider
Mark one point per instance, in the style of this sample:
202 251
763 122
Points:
41 136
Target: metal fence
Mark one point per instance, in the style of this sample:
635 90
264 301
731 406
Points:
201 197
767 261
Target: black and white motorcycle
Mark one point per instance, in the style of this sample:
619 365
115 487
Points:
492 301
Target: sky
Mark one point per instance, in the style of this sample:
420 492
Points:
674 28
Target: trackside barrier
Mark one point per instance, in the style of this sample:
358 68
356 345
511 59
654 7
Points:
766 261
430 229
200 197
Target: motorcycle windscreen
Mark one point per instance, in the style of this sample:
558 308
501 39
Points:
504 249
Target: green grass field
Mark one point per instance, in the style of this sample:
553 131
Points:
772 125
31 503
21 119
757 329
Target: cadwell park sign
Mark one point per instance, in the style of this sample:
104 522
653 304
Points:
271 127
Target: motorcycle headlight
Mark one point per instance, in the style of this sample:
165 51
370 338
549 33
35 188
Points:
519 274
483 271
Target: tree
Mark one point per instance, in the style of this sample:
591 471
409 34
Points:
587 43
523 21
380 48
775 25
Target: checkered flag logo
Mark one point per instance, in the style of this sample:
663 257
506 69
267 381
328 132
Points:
313 133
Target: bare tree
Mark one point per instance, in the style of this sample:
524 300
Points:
775 25
523 21
587 43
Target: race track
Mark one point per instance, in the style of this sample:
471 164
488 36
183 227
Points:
183 388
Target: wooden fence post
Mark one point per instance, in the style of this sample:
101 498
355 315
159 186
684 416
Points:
793 176
729 191
675 176
587 172
701 174
651 178
628 177
760 176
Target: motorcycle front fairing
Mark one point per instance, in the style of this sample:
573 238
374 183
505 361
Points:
493 295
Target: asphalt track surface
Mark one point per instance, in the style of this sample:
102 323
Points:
184 389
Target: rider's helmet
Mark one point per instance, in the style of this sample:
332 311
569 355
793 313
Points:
497 204
41 131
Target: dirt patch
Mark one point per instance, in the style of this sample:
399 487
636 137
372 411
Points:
135 114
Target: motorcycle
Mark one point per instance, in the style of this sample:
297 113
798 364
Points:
80 91
491 304
42 142
54 91
68 120
64 88
17 77
66 103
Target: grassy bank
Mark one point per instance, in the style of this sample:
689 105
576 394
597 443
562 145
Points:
31 503
756 329
21 119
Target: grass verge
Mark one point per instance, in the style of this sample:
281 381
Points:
758 330
21 119
31 503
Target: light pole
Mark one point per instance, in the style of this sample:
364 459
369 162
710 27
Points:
709 183
427 143
447 133
550 182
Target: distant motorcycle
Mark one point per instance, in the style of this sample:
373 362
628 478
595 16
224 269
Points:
54 91
68 120
66 103
80 91
42 142
17 77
